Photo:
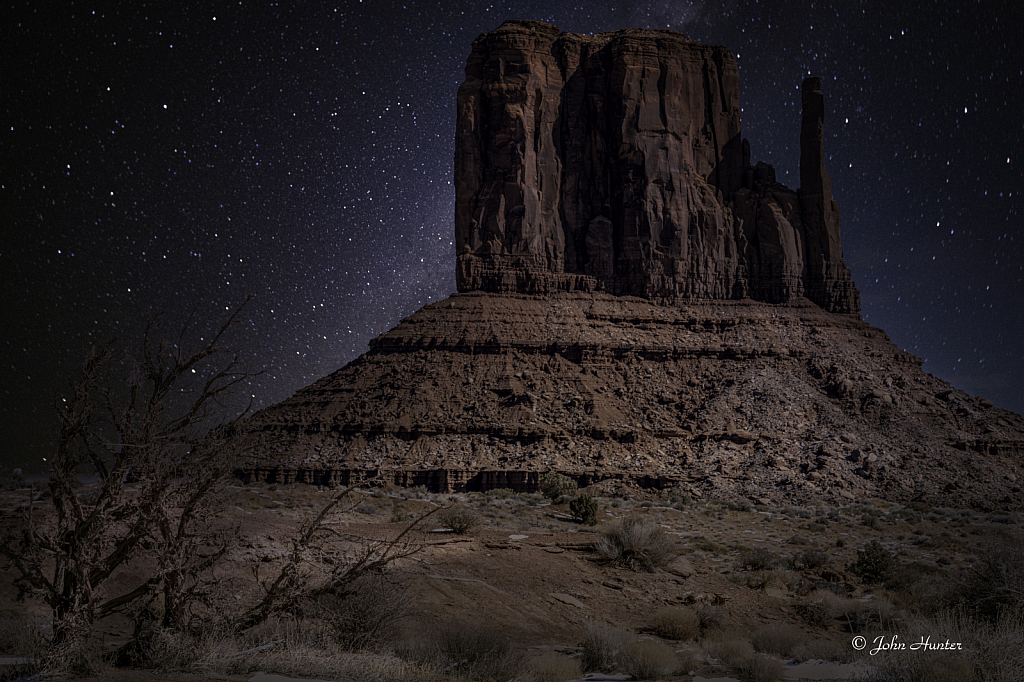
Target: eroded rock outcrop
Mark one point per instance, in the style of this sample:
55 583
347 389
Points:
608 218
615 163
722 399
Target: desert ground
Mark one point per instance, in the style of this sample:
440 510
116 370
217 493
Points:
738 592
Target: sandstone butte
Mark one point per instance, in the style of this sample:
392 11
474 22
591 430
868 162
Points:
638 306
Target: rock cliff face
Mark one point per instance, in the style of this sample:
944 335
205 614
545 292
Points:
615 163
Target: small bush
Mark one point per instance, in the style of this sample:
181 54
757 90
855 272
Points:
552 667
679 499
461 521
584 508
815 613
601 646
727 648
778 640
874 563
995 583
812 558
554 485
677 623
647 659
759 560
710 618
761 669
500 493
368 615
823 649
476 653
637 543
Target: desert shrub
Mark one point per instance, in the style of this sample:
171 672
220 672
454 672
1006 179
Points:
823 649
601 646
740 506
874 563
778 639
500 493
709 617
367 615
366 509
812 558
647 659
554 485
476 653
677 623
856 615
758 560
990 651
584 508
415 492
758 668
707 545
768 582
679 499
461 521
815 613
637 543
995 583
727 648
553 667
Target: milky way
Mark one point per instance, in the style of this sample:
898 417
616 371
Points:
159 156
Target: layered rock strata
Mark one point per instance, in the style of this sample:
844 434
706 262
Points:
615 163
721 400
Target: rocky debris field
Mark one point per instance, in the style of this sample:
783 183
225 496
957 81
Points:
526 568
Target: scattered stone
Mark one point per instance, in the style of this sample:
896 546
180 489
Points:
679 566
568 599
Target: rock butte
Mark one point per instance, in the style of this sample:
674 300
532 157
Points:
639 306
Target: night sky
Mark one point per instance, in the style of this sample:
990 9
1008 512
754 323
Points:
155 156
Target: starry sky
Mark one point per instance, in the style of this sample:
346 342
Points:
157 156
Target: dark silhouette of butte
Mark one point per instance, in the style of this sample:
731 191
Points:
638 305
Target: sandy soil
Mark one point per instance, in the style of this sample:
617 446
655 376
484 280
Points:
533 575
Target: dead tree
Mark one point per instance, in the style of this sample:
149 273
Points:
139 424
323 561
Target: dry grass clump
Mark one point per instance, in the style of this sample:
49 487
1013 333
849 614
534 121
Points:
647 659
727 647
637 543
367 616
990 651
779 639
823 649
475 653
759 560
677 623
554 667
22 637
820 607
710 618
461 521
757 668
769 582
601 646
